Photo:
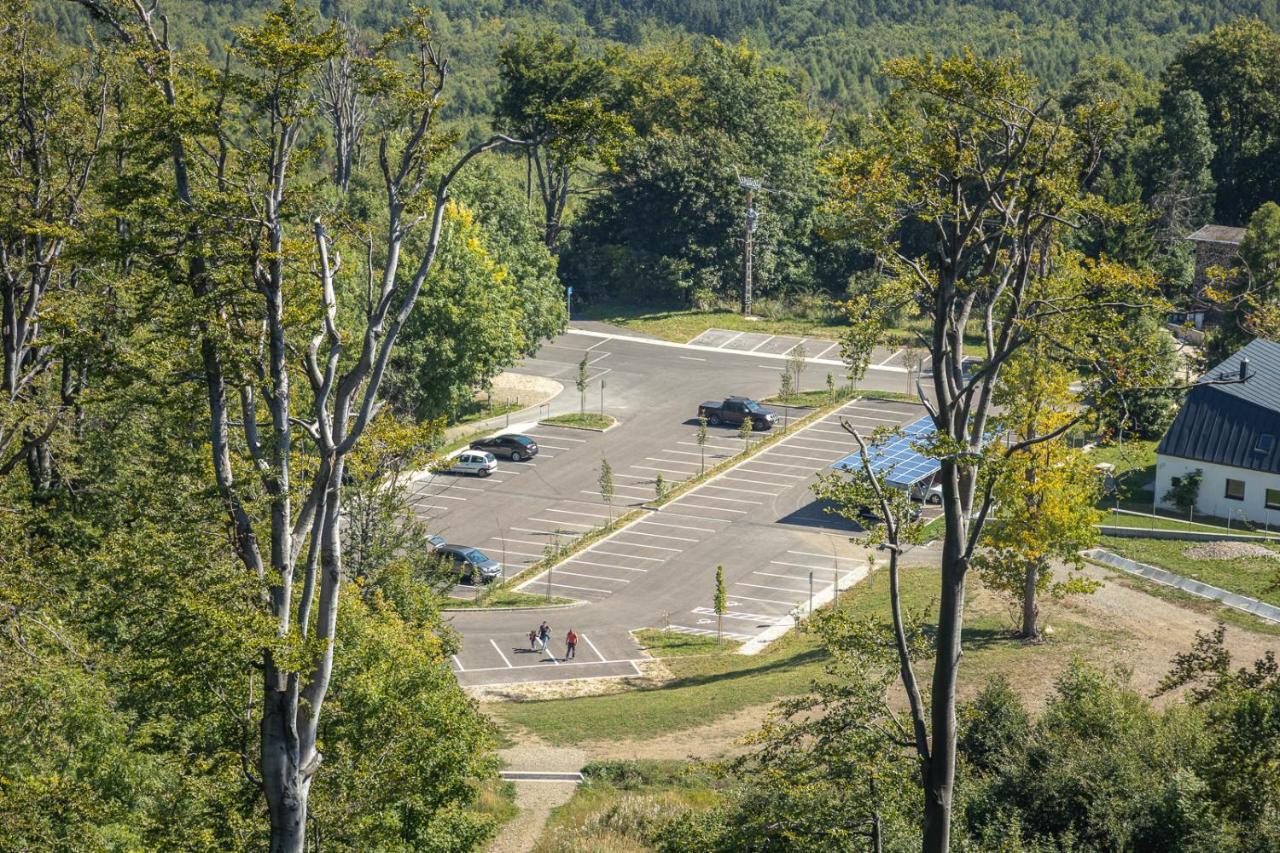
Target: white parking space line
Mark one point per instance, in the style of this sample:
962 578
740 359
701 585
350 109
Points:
762 343
801 565
682 453
763 618
561 521
500 654
521 553
631 556
764 600
458 663
441 497
735 479
670 461
540 580
551 446
427 506
710 446
708 632
764 586
890 358
827 350
664 470
587 640
644 477
538 532
731 340
785 577
692 358
604 565
688 505
730 500
591 577
517 541
661 536
760 460
678 526
828 556
653 547
854 417
778 474
746 491
849 443
571 512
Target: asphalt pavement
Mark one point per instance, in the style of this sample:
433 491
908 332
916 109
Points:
759 519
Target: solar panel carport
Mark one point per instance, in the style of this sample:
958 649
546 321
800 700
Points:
895 461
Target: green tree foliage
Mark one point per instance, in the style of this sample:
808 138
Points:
670 222
1236 71
1248 293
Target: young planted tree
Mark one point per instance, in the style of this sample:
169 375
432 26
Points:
720 603
581 383
235 155
659 487
606 486
1045 497
701 437
795 364
831 387
785 386
968 156
744 433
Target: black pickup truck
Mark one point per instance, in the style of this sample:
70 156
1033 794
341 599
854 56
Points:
735 410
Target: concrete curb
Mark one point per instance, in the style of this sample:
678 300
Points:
1152 573
1188 535
553 425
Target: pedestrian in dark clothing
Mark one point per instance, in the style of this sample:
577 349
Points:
533 640
570 644
544 636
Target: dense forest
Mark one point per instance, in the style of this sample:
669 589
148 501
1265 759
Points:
256 256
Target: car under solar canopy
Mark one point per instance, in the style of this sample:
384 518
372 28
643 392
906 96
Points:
895 461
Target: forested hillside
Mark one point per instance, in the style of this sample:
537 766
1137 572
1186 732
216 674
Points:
839 44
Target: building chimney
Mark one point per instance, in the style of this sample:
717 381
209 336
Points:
1244 368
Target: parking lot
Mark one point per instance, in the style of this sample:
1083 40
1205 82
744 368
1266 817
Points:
821 350
759 520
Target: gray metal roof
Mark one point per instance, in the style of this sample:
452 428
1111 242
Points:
1218 234
1228 424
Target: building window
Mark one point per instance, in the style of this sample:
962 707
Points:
1273 498
1235 489
1265 442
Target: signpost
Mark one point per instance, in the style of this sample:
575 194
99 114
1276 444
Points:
568 302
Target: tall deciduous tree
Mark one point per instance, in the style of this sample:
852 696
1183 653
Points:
968 154
563 103
233 171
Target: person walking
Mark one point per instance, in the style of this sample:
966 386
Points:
533 641
544 636
570 644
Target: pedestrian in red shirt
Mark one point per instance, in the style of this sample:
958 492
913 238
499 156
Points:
571 644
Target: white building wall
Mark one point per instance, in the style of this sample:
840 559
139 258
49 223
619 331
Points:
1213 489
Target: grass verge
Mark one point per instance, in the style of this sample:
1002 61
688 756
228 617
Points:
1252 576
504 597
589 420
706 687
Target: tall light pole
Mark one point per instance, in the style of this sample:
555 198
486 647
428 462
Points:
750 185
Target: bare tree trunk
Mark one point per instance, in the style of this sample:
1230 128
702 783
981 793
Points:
1030 608
941 768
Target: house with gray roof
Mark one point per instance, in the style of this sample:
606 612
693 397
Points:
1229 429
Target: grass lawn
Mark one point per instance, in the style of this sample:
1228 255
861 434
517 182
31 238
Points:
683 326
706 686
806 399
1250 576
589 420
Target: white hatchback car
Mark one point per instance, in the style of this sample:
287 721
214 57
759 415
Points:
475 462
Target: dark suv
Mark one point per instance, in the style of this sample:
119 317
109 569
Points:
513 446
471 564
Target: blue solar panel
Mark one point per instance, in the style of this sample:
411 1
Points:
895 460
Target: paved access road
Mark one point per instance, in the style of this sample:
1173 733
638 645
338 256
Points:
759 520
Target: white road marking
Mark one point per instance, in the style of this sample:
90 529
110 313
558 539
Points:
603 565
593 647
759 460
561 521
709 446
763 586
783 576
827 350
566 663
678 526
517 541
731 340
666 513
632 556
828 556
766 600
683 503
692 358
458 663
571 512
730 500
890 358
762 343
660 536
590 577
744 491
558 437
747 617
654 547
707 632
670 461
801 565
540 581
500 654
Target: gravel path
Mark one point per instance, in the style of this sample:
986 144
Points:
535 799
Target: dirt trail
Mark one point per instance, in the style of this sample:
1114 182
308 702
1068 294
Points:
535 799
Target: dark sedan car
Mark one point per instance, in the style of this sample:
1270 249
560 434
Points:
513 446
471 564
